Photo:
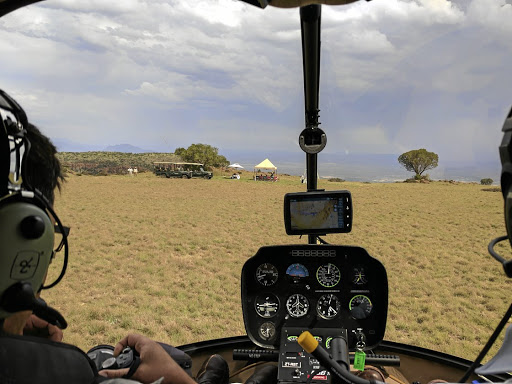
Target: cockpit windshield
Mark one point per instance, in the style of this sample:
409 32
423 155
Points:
396 76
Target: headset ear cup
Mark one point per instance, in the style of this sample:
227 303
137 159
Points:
25 254
508 214
506 172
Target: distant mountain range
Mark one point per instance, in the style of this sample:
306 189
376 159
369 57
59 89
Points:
64 145
125 148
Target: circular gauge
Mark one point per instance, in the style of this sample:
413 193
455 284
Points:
328 306
266 305
359 277
360 307
297 271
328 275
266 274
267 330
297 305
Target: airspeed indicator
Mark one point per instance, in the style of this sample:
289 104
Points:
328 275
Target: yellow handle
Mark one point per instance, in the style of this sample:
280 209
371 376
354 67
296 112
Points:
307 341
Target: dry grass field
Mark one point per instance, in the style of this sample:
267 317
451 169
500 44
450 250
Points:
163 257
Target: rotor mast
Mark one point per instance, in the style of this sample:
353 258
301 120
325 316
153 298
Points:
312 139
310 31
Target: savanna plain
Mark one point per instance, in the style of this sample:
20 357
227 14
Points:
163 257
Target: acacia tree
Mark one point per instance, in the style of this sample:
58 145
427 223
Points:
418 161
202 153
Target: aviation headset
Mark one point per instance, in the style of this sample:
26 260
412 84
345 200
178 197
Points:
506 190
27 232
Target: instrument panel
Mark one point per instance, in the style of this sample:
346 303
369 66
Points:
314 286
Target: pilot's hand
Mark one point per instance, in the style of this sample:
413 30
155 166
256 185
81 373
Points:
36 326
155 363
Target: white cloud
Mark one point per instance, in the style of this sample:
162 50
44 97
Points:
367 43
96 6
160 91
419 12
222 12
494 15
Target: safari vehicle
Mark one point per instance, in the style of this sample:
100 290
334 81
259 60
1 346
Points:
337 293
180 169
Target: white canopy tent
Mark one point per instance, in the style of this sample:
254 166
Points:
235 166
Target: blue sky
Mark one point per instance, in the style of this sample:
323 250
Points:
396 75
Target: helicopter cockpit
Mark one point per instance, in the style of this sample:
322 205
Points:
313 308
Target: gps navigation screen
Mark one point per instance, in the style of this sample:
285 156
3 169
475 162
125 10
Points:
318 212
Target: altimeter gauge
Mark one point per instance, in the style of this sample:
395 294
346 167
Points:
267 330
266 274
328 275
297 305
266 305
328 306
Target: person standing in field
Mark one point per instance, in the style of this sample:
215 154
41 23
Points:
135 171
130 171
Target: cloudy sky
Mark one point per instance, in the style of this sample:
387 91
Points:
396 75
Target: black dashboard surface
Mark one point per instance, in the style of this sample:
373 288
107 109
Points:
314 286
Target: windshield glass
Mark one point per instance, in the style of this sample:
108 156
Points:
395 76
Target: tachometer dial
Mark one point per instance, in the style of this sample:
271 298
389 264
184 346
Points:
266 305
360 307
359 277
267 274
267 330
328 306
328 275
297 305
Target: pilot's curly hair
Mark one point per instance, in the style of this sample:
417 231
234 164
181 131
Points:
43 170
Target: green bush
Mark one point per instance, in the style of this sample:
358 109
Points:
422 177
418 179
336 180
486 181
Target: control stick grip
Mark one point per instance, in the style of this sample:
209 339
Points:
308 342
